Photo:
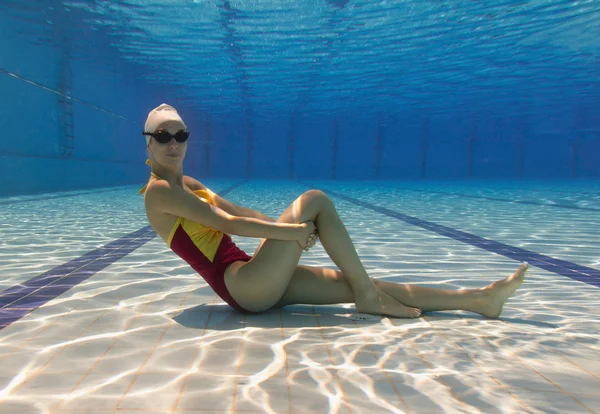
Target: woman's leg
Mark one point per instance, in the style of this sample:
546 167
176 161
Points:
259 284
323 286
487 301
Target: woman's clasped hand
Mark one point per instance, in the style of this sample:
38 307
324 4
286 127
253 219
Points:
309 237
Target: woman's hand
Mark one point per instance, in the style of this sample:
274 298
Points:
312 239
308 235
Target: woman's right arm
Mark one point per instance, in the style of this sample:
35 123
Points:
161 197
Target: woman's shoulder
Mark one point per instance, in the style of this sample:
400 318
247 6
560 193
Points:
163 185
155 190
193 184
161 191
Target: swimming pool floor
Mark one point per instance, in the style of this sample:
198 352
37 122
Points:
98 316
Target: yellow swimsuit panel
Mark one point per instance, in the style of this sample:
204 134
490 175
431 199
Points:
205 238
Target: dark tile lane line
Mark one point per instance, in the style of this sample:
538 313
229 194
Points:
561 267
504 200
20 300
25 297
52 197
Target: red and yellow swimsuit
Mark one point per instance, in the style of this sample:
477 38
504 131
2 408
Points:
208 251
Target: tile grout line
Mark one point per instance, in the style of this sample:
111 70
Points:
239 362
41 330
239 367
522 202
339 381
543 260
286 364
571 270
419 354
528 366
174 409
504 387
98 360
86 193
138 373
42 368
141 235
7 306
547 348
550 381
559 392
387 375
578 341
582 404
571 362
39 370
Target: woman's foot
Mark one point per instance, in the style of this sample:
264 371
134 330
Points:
495 295
379 303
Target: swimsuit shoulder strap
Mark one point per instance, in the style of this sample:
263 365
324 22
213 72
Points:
142 190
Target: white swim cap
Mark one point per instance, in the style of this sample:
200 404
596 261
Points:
160 115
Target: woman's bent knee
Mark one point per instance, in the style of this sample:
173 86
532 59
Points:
316 193
319 197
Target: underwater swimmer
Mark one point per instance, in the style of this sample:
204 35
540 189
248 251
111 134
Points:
197 224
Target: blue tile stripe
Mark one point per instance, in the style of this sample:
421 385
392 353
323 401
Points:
24 298
52 197
574 190
505 200
561 267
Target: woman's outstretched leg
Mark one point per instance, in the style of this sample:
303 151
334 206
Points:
487 301
323 286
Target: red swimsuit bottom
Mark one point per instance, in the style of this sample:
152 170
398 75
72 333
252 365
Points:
211 271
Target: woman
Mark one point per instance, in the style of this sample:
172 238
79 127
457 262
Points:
196 223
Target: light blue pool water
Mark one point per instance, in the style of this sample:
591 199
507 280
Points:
114 320
456 140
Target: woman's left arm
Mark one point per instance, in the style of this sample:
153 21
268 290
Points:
225 204
248 212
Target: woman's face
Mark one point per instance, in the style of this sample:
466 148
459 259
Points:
173 152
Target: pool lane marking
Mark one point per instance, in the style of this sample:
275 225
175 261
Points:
52 197
504 200
22 299
560 267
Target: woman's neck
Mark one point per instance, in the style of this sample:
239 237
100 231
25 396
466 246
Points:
171 176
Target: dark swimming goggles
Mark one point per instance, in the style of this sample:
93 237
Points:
164 137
